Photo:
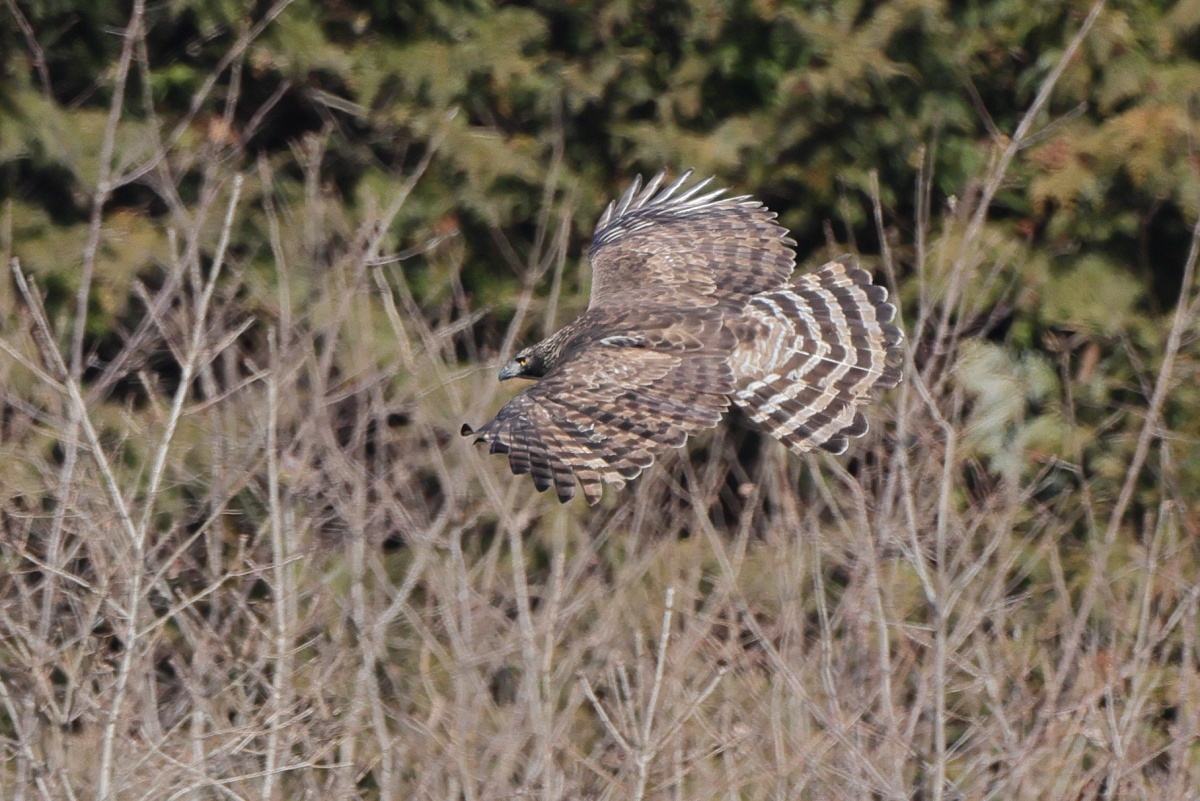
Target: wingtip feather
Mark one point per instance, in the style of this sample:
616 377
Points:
689 196
627 198
667 193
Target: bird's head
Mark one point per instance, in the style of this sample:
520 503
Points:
529 363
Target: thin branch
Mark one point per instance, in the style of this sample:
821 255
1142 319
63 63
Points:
35 50
970 238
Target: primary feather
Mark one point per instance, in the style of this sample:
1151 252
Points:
691 311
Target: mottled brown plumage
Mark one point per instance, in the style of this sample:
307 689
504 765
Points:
691 311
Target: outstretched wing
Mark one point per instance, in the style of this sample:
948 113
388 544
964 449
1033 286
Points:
688 248
605 413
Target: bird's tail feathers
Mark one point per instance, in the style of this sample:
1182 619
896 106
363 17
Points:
826 343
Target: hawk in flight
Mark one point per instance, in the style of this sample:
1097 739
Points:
691 310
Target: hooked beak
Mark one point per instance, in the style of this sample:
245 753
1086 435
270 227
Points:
510 370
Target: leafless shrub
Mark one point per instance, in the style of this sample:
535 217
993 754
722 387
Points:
282 574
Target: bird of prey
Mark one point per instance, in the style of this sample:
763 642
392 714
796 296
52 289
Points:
691 310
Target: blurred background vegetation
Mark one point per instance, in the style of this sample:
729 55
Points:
417 182
796 103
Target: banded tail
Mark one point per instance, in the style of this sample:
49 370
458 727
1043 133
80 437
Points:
819 348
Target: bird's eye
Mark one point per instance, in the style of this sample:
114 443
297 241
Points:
521 361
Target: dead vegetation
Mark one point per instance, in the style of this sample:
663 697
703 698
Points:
246 555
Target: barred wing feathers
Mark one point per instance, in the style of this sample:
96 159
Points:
605 413
820 347
690 248
690 311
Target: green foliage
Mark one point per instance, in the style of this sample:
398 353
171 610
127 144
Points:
1038 338
800 104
